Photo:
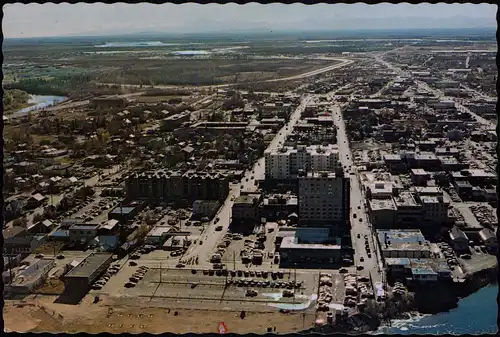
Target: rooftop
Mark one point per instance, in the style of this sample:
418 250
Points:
249 199
402 239
122 210
159 231
321 175
110 224
89 265
33 271
405 199
292 242
381 204
397 261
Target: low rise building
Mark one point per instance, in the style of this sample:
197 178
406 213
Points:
409 212
394 162
32 277
419 177
205 208
380 190
246 209
83 233
158 235
489 239
278 206
409 243
382 213
459 240
79 279
435 209
311 247
173 122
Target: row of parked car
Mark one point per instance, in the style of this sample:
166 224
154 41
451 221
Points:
112 270
448 253
264 284
136 277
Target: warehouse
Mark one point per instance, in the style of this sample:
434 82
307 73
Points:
87 271
310 246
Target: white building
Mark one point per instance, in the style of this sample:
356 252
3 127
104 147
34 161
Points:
324 199
286 162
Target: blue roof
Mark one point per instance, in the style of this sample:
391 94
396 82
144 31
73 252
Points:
60 233
401 236
423 271
398 261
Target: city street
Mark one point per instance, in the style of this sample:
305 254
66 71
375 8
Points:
359 225
210 236
489 125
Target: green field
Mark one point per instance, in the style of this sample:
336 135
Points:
64 67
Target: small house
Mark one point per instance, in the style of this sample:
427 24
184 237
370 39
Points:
458 239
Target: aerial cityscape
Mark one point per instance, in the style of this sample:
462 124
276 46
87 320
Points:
249 176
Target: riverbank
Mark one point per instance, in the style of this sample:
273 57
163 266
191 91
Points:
37 102
455 321
458 300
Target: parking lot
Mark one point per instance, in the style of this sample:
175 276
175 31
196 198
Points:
233 251
185 285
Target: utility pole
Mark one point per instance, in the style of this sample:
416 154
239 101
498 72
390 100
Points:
10 268
160 272
294 282
234 260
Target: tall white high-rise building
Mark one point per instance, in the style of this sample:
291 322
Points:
286 162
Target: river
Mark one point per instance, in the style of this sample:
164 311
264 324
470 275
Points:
39 102
475 314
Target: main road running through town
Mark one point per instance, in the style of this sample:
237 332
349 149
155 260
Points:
359 223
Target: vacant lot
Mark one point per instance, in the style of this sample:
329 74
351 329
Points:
41 315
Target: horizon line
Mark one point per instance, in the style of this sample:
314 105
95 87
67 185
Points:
254 31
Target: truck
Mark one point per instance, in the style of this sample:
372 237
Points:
257 258
276 258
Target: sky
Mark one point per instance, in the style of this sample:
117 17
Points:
44 20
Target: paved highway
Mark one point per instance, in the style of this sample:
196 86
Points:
343 63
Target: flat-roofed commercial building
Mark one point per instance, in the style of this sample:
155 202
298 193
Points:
87 271
246 208
311 247
399 243
382 213
409 212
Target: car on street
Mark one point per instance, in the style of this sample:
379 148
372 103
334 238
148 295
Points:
218 228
